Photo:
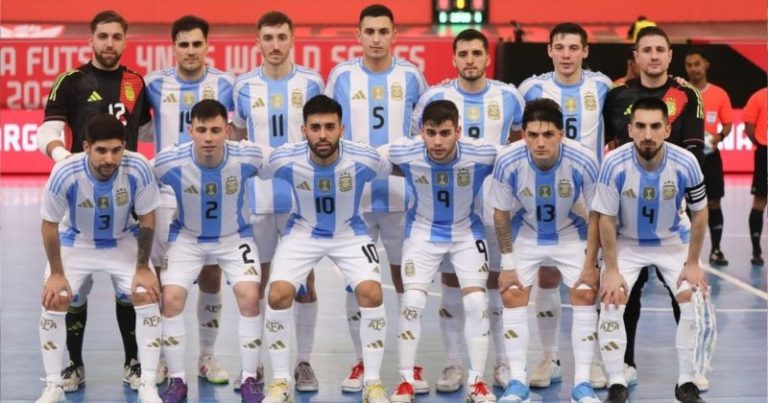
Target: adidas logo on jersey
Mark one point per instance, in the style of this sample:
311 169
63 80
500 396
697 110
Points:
192 189
87 203
170 99
304 186
258 103
423 180
359 95
94 97
526 192
629 193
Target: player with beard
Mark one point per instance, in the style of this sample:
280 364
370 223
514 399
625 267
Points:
100 86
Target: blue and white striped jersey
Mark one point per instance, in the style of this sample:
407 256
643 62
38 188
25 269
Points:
648 206
96 213
211 200
172 100
443 209
377 110
489 114
582 105
327 198
271 110
550 206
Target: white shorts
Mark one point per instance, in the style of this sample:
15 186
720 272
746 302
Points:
238 258
297 254
80 263
668 259
567 257
390 227
163 218
494 256
267 230
421 260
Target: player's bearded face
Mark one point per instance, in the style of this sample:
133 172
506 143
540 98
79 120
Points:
104 157
190 48
653 55
108 45
440 140
471 59
275 43
543 141
648 130
323 133
376 34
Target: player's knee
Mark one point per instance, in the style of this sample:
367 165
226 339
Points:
174 298
415 298
369 294
209 280
141 299
684 296
281 294
450 279
247 295
583 296
549 277
60 303
515 297
475 301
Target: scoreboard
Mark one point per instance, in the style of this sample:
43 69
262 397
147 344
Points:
450 12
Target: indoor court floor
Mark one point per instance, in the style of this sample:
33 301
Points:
739 292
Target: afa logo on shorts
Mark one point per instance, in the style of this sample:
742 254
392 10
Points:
410 268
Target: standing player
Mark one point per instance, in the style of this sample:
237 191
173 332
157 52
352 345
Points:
653 54
642 186
552 181
581 95
98 190
101 86
172 93
327 175
717 110
208 176
268 104
445 175
755 127
377 93
490 110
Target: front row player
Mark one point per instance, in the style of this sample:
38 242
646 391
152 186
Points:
642 186
545 186
211 226
445 175
327 175
94 193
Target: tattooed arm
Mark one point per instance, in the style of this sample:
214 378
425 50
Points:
144 281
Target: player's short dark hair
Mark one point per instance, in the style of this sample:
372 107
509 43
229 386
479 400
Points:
274 19
377 10
697 51
543 110
321 105
649 104
107 16
568 28
208 109
652 31
470 34
437 112
188 23
104 126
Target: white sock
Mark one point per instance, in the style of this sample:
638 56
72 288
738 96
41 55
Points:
373 334
208 320
452 324
685 338
516 335
476 328
353 323
306 321
174 345
548 308
495 314
277 334
149 337
53 344
409 329
612 336
250 338
583 340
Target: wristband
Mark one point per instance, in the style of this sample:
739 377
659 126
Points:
60 154
507 261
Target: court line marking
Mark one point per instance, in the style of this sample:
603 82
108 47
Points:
737 282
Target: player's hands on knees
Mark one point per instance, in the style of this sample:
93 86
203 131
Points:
694 275
613 288
509 279
144 280
589 277
55 289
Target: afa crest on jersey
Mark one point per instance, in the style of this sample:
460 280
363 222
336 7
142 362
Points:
297 98
121 197
231 185
494 111
564 188
209 93
649 193
130 94
590 101
396 91
211 189
671 106
545 191
669 190
345 182
103 202
463 178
